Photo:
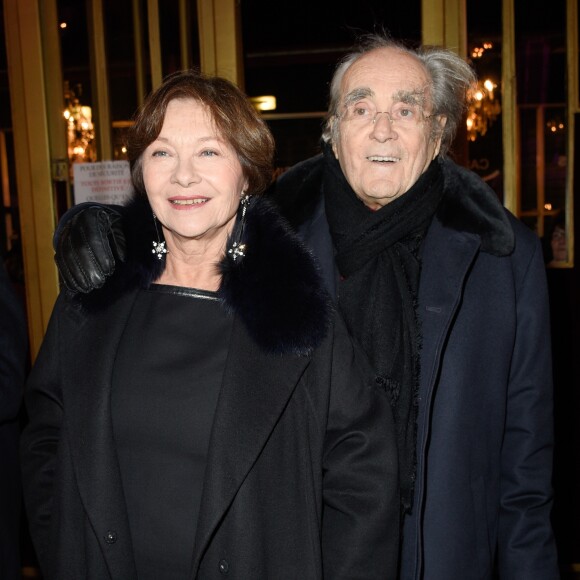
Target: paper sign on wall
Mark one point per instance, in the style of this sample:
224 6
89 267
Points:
103 182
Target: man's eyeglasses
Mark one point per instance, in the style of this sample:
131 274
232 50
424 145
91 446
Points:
403 115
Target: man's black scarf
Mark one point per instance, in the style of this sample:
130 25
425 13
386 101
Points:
378 257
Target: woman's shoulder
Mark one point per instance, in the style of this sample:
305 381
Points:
277 288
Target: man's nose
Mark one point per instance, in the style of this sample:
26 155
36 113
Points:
383 127
386 113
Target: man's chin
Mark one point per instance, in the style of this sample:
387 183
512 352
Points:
378 199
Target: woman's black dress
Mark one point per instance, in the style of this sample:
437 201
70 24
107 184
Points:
166 382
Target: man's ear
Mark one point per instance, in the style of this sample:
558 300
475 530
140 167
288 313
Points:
441 120
334 133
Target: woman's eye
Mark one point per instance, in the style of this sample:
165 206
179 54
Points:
208 153
159 153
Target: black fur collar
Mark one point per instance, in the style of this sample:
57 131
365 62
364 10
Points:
276 289
468 205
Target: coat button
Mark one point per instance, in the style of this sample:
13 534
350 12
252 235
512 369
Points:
111 537
224 567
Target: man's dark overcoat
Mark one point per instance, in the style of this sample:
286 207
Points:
483 491
301 477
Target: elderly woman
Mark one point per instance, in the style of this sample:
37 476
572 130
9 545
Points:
205 414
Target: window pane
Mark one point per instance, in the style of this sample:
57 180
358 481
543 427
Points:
485 151
555 136
296 139
120 46
541 51
74 49
541 98
528 154
291 50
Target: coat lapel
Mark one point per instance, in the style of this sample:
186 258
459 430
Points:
255 390
448 255
89 423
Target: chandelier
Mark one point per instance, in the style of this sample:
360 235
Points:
555 126
79 127
483 109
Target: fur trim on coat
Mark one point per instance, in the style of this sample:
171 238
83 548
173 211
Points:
276 289
468 205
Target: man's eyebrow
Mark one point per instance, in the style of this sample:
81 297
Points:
415 97
357 94
410 97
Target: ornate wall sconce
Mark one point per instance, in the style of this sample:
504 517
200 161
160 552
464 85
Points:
79 126
483 109
264 103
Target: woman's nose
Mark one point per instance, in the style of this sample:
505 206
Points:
185 173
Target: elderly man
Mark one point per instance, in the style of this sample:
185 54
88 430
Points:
445 291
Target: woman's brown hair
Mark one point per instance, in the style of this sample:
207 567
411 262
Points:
234 117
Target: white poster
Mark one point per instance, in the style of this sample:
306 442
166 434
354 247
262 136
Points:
103 182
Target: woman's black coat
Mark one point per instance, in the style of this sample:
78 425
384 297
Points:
13 356
301 475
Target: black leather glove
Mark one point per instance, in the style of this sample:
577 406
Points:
87 246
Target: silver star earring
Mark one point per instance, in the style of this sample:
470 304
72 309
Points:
158 246
237 248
